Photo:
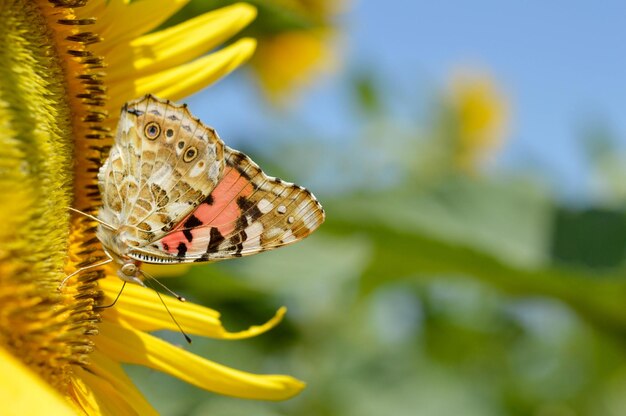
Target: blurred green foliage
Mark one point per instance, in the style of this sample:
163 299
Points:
428 291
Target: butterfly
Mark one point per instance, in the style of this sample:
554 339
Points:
173 192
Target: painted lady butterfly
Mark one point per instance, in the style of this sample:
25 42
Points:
173 192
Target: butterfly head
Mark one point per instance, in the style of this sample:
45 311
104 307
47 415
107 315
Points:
129 271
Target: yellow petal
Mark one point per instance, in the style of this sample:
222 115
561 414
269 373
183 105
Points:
85 397
140 308
183 80
112 372
23 393
135 347
179 44
105 398
119 20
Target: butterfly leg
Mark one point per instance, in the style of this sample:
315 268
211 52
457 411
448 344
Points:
91 266
114 301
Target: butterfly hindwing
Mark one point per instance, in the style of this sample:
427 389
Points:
163 165
246 213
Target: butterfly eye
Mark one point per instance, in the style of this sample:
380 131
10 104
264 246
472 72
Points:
190 154
129 269
152 130
169 132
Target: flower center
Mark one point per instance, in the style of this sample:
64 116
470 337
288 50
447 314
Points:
47 329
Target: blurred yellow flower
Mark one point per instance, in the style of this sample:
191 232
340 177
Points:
289 57
289 60
66 69
480 112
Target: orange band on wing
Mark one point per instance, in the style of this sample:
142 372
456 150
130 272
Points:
224 211
220 211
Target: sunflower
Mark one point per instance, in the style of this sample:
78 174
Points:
67 67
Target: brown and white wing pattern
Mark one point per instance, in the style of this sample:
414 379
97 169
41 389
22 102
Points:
164 163
246 213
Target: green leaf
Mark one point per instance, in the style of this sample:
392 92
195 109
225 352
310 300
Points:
428 236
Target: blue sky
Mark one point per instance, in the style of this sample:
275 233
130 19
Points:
562 65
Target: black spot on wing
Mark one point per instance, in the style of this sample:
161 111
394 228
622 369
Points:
173 117
134 111
187 128
248 208
242 222
254 213
244 203
216 238
237 242
237 162
243 173
191 222
155 112
237 158
182 249
209 200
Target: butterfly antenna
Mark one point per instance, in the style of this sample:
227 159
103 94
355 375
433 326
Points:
98 220
167 289
116 298
168 309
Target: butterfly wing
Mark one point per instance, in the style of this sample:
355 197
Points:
246 213
163 165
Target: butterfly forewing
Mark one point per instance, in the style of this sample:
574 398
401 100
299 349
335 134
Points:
164 163
247 212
